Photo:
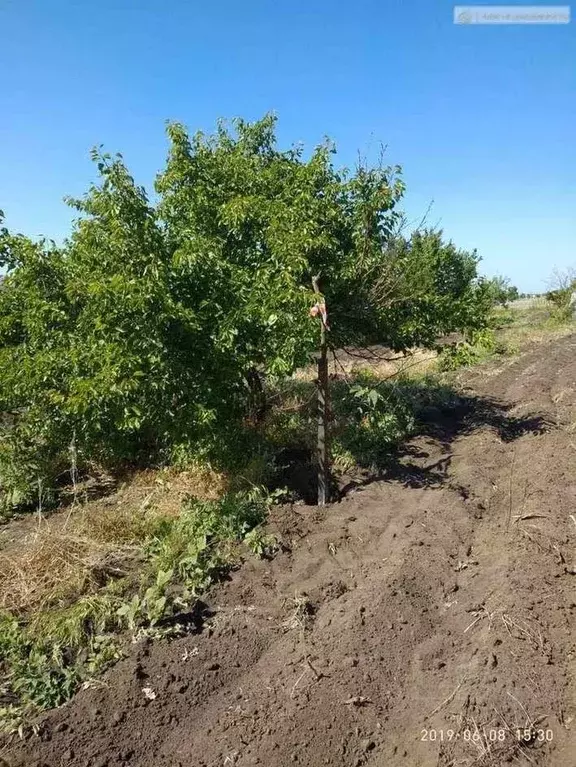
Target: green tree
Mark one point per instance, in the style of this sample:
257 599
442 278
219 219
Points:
501 291
427 288
148 328
563 286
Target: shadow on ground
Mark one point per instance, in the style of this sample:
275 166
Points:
403 463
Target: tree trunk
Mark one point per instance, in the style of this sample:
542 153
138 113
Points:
258 403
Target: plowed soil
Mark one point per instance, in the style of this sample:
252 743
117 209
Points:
421 621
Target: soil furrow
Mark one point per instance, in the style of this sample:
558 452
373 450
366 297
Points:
406 625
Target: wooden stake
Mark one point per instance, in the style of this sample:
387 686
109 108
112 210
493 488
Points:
322 457
322 451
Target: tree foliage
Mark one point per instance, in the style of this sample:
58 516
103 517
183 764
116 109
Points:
141 332
501 291
563 290
426 288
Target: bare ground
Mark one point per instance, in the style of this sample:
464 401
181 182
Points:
419 622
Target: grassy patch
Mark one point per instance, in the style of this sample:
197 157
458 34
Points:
520 325
54 637
531 321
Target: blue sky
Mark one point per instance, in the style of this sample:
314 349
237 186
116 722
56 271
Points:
482 118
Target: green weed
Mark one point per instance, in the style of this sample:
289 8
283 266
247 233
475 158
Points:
45 658
260 543
480 346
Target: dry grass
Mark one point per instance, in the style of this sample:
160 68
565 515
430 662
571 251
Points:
173 486
526 335
51 568
165 490
380 361
56 560
301 613
61 561
535 321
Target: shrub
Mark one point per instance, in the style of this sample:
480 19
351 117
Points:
371 417
469 352
564 282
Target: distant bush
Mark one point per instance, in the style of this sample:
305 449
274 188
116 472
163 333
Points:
471 351
561 297
564 287
501 292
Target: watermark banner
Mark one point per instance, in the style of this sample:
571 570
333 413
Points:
512 14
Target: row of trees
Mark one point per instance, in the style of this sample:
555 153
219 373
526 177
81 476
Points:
149 329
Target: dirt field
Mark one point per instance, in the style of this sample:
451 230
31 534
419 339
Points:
421 621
